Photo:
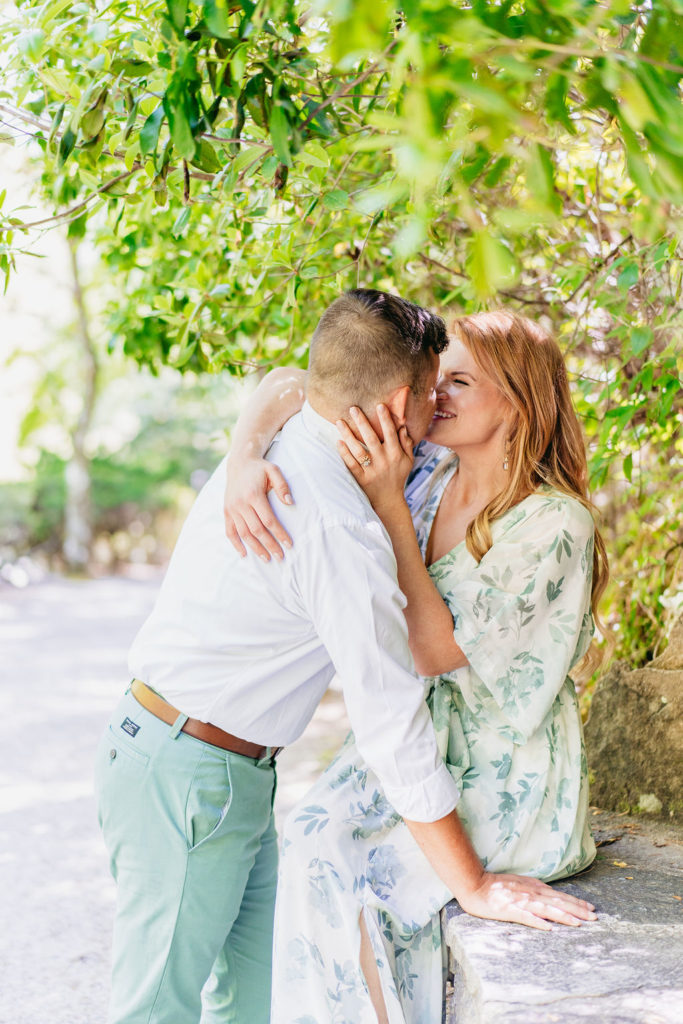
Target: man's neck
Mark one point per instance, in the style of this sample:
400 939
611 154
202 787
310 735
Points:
319 425
333 412
328 410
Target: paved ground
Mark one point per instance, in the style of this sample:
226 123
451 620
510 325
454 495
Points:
63 668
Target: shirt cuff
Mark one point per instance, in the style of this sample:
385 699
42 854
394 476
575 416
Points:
433 798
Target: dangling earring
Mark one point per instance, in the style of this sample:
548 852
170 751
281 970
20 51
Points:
506 458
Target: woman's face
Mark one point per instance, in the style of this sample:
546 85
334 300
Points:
470 410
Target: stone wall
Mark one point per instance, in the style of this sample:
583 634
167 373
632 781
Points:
634 735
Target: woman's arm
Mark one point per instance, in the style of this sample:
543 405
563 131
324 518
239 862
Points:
497 897
430 623
249 518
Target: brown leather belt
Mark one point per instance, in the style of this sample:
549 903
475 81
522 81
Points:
204 731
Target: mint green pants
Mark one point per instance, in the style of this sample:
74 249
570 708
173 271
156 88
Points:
192 845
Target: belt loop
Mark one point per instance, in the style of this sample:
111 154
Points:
177 726
267 758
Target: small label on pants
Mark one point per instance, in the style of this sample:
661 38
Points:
130 727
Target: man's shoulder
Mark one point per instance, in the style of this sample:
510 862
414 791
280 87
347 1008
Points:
322 487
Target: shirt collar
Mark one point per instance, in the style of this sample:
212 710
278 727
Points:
319 426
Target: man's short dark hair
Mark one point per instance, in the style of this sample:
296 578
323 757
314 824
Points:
369 342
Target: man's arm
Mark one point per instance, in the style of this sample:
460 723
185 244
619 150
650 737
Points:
345 579
249 518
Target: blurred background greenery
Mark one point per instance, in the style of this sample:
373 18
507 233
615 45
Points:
101 459
217 172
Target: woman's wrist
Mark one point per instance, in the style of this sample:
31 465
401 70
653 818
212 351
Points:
250 449
393 510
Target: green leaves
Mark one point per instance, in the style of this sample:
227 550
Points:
337 199
177 11
217 18
556 105
149 133
180 106
66 146
629 276
31 43
279 134
131 67
640 339
92 122
490 264
541 179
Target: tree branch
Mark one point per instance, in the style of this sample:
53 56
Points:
570 51
345 89
76 209
442 266
599 266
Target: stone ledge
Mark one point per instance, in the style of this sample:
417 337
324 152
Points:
626 968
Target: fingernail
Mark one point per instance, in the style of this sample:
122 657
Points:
354 410
288 499
287 543
264 558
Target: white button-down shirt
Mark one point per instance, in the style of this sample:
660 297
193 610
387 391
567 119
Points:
251 646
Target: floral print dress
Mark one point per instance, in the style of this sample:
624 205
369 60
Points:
508 726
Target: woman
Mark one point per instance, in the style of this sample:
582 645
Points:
502 574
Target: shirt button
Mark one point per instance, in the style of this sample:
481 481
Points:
112 753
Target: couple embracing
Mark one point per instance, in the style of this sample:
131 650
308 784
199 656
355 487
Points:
471 559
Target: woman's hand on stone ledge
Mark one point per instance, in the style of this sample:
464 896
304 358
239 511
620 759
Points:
527 901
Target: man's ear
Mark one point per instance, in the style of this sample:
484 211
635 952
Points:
397 404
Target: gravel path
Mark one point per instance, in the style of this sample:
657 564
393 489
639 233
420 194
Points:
64 645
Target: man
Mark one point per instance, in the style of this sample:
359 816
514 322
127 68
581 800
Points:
230 666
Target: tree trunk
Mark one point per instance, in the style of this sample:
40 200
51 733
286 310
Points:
78 508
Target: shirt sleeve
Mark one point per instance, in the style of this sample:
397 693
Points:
522 616
345 576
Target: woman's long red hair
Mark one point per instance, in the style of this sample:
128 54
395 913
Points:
546 445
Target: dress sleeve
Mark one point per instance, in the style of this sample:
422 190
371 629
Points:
427 459
345 578
424 486
522 615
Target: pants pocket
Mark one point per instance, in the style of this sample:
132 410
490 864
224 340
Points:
120 745
208 799
117 767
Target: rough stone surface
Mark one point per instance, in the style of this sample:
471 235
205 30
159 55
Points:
634 736
625 968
